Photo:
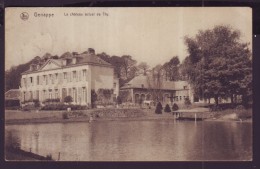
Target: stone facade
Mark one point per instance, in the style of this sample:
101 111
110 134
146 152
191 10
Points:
169 91
75 76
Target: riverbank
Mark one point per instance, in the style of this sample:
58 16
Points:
27 117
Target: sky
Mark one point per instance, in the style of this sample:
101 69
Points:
152 35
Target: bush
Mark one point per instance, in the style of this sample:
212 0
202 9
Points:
68 99
36 103
28 107
159 108
167 108
175 107
187 102
65 115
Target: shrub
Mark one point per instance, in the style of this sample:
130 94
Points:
28 107
65 115
119 100
240 107
187 102
175 107
49 157
36 103
159 108
68 99
167 108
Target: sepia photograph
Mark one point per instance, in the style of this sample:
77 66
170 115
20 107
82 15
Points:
128 84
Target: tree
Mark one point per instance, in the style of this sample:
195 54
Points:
172 69
219 65
154 82
167 108
159 108
93 98
187 102
175 107
143 67
104 57
128 67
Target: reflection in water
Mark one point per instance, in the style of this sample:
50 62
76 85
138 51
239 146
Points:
163 140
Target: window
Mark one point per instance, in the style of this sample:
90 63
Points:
31 80
142 85
50 94
180 97
84 95
114 85
56 94
38 80
24 82
185 87
56 76
65 75
74 74
84 73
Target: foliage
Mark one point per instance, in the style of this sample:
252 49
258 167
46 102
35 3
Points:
154 82
219 65
143 66
68 99
36 103
125 95
175 107
167 108
172 69
61 106
158 109
187 102
104 96
93 98
53 100
119 100
65 115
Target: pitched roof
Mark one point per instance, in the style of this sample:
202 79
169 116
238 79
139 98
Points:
83 58
12 94
90 58
142 81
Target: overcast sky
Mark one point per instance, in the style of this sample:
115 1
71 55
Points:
152 35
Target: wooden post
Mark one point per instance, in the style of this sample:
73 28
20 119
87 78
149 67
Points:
59 157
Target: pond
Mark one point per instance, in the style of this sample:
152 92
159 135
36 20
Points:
154 140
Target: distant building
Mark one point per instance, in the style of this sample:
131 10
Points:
144 88
12 98
71 75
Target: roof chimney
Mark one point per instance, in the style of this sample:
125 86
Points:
91 51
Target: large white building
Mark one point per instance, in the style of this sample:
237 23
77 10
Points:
75 75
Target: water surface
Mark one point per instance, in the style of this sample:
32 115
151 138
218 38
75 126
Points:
154 140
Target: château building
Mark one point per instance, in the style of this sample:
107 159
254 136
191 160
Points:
72 75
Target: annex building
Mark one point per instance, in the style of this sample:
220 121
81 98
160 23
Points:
142 88
74 75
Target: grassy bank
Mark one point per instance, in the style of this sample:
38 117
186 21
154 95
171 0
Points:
26 117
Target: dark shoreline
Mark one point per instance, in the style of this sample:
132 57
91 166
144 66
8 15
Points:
13 154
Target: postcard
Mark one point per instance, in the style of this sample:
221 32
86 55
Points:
128 84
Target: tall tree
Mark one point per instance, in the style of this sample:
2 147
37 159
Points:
128 66
219 64
143 66
172 69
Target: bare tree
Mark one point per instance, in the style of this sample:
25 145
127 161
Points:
143 66
154 82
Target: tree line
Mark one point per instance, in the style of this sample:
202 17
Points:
218 65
